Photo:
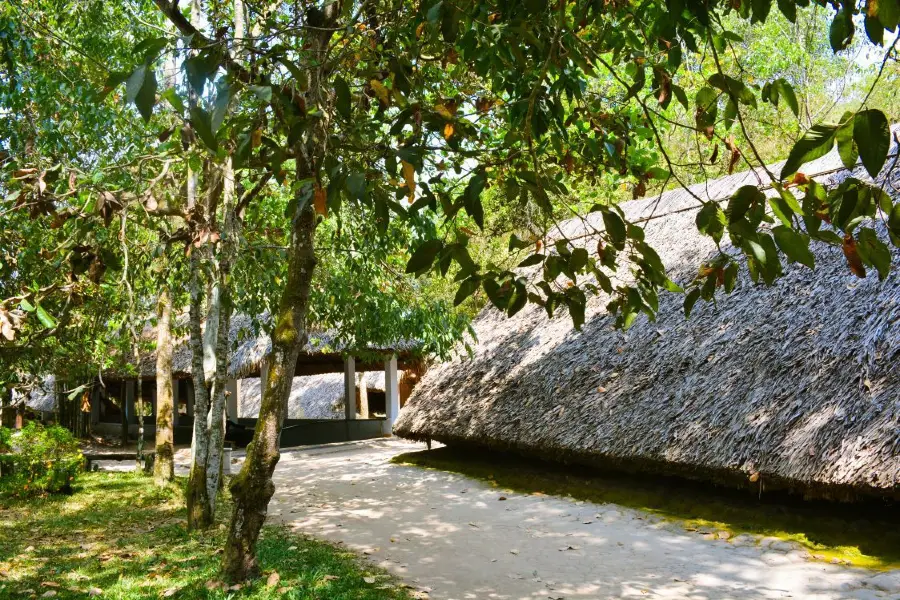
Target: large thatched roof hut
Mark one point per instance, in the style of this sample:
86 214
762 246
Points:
795 385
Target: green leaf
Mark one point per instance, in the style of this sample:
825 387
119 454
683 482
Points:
740 202
875 30
894 225
199 69
466 289
788 9
220 107
202 123
711 221
263 92
146 96
518 299
841 32
873 138
515 243
171 96
134 83
45 319
472 197
847 148
815 144
424 256
578 260
690 300
356 186
795 245
615 228
115 79
888 13
342 97
874 252
760 10
26 305
531 260
786 90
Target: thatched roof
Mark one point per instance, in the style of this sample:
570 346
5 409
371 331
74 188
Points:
250 344
312 397
42 397
798 382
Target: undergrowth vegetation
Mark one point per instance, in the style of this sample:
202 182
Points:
864 535
119 536
38 460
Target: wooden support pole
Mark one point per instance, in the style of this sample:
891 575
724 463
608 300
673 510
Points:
391 394
350 388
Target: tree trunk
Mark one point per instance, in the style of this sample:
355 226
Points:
197 514
164 465
20 414
252 488
123 402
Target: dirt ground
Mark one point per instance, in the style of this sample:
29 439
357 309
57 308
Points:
457 538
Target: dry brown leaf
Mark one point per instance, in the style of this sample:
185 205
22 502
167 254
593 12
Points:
320 196
369 580
330 577
94 591
169 592
273 579
409 175
50 584
380 91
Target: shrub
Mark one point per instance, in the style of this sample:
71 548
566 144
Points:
38 460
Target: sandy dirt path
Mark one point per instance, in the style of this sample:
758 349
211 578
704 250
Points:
454 538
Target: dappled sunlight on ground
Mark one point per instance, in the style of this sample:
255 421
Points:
459 538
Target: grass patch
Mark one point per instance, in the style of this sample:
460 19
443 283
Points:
124 538
866 535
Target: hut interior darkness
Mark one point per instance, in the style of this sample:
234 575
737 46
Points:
794 386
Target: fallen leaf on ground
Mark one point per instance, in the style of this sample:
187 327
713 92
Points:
48 594
50 584
273 579
169 592
369 580
235 587
330 577
94 591
501 498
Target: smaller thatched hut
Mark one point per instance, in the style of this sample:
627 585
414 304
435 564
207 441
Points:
325 371
795 385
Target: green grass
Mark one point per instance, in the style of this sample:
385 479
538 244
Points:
866 535
120 534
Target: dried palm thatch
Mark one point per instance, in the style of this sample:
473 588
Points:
312 396
795 385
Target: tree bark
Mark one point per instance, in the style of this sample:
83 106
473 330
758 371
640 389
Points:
164 465
198 516
252 488
123 402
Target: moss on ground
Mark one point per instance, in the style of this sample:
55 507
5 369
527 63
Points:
865 535
124 538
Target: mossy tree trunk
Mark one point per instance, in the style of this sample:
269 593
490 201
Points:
252 488
164 465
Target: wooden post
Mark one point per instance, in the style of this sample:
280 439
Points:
363 396
391 394
350 388
231 399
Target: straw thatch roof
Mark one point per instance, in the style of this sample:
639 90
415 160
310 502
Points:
795 385
250 344
42 397
312 397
